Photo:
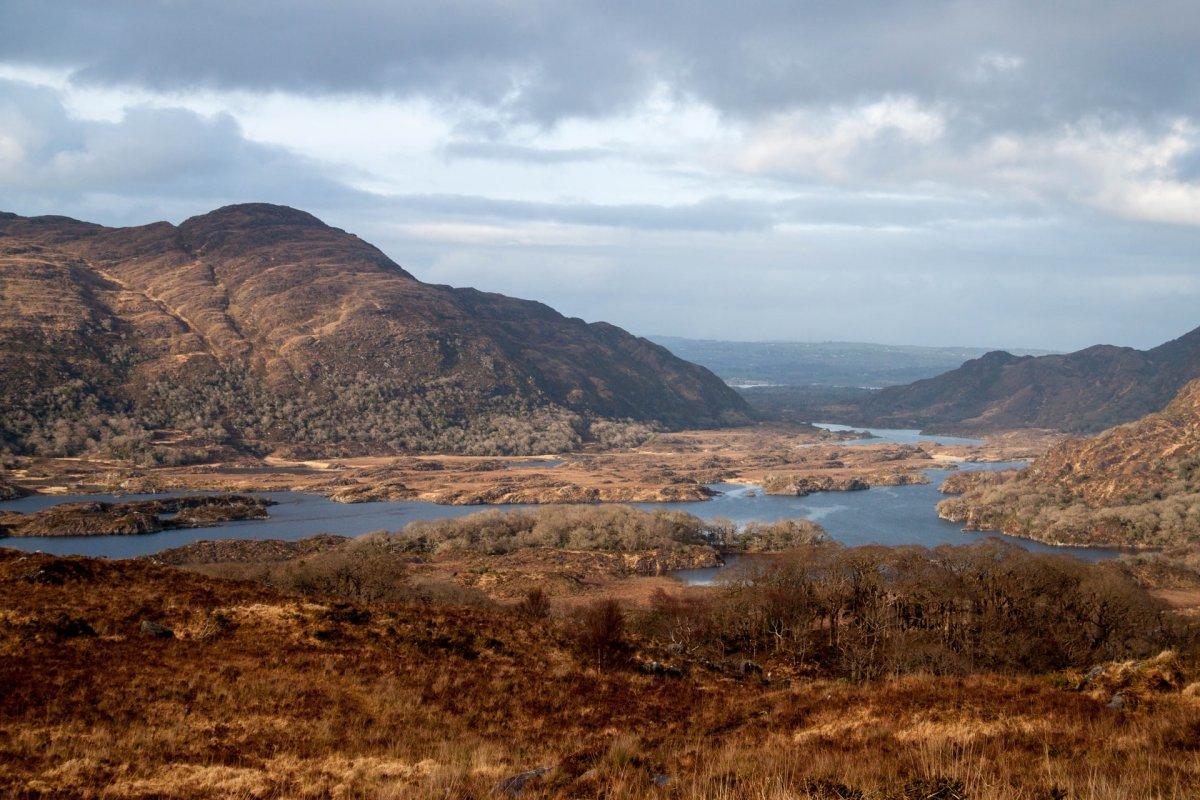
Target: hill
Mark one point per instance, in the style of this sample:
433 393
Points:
820 364
1085 391
260 326
1135 485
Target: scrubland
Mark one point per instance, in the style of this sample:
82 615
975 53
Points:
976 672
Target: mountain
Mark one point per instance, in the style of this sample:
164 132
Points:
259 325
1134 485
827 364
1084 391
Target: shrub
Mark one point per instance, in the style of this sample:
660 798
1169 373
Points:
599 632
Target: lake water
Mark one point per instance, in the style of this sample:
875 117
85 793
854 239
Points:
889 515
895 436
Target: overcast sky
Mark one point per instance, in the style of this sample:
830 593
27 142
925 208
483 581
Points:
975 173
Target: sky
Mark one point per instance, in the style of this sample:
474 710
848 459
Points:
980 172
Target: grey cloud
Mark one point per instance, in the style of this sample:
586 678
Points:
172 161
546 60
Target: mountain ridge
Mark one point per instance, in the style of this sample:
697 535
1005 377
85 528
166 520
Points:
265 322
1081 392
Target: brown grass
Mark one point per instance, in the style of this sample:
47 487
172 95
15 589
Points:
261 695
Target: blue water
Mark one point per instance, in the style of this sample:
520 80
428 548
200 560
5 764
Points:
895 436
889 515
298 515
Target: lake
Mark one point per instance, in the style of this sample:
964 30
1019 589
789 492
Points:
895 435
889 515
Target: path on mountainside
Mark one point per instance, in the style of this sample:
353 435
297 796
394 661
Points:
164 307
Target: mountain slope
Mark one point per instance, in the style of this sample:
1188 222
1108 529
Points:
1135 485
1085 391
261 324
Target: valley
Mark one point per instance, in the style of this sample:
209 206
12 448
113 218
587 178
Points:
576 401
516 554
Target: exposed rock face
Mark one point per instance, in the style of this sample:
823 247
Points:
1085 391
1135 485
138 517
262 324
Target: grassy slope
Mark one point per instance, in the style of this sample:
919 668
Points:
260 695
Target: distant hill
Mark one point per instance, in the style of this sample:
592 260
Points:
817 381
1135 485
1084 391
260 326
852 364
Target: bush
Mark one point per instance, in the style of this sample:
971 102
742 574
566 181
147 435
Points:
871 611
535 605
599 632
363 571
604 528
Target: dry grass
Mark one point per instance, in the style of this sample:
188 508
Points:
260 695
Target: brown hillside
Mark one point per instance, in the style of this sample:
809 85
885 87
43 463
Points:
261 324
1135 485
131 681
1085 391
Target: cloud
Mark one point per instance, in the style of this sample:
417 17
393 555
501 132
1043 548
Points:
940 172
54 160
830 143
546 61
506 151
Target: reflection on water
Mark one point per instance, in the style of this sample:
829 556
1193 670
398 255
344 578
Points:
885 515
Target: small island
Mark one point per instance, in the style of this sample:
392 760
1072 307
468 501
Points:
135 517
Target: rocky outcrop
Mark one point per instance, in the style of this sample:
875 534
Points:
11 491
802 485
385 491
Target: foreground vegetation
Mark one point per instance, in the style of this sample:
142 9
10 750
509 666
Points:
979 672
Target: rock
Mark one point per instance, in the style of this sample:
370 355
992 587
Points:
155 630
56 573
1117 702
656 668
661 780
65 627
803 485
516 784
1134 680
